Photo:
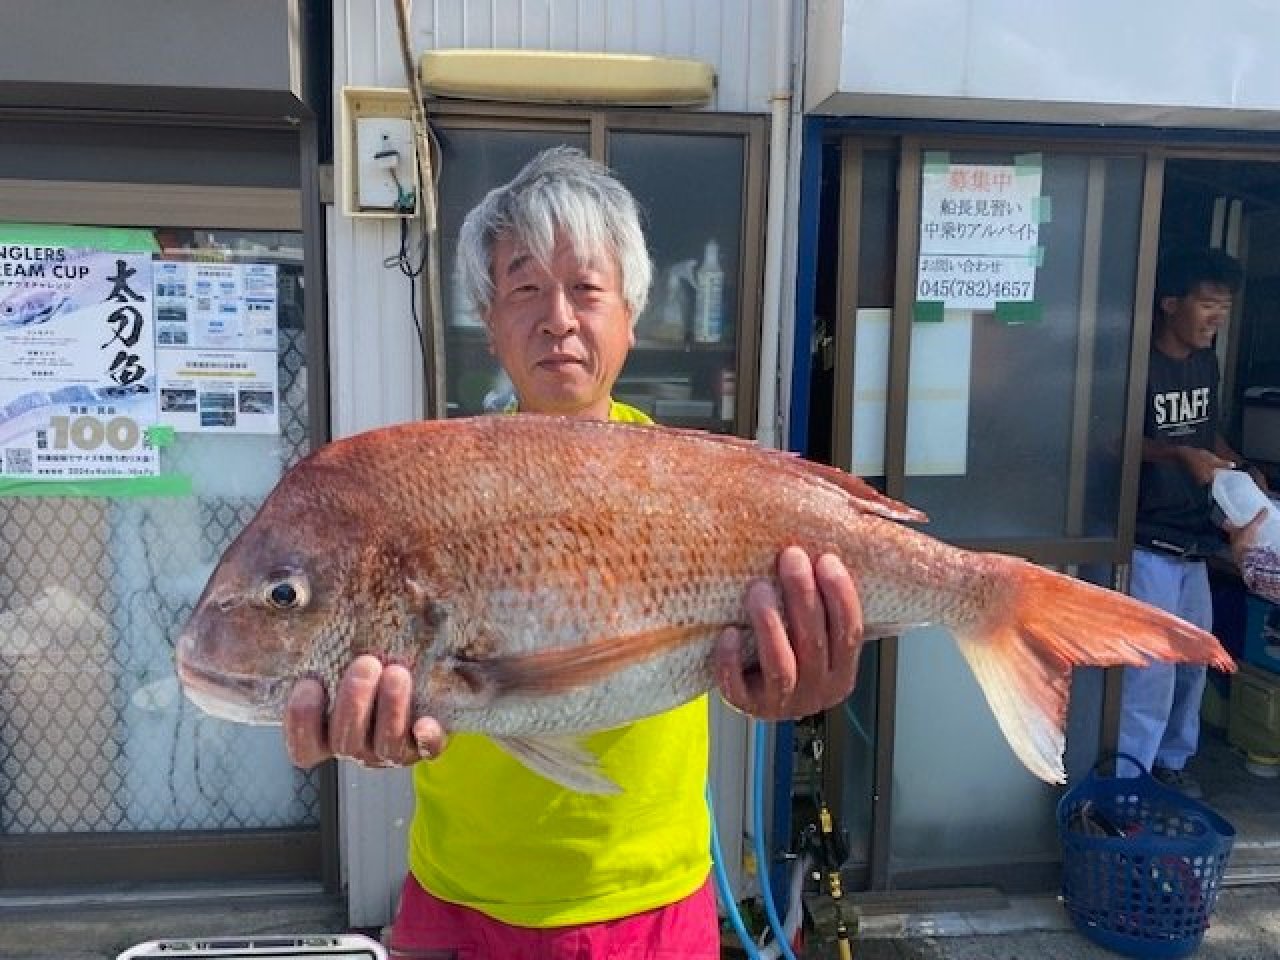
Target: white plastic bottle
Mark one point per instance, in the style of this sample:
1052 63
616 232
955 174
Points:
708 322
1240 499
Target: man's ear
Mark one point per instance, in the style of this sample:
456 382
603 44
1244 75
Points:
1169 305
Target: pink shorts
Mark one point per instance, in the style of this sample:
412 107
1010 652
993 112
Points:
426 928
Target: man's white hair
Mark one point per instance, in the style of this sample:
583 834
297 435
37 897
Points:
559 189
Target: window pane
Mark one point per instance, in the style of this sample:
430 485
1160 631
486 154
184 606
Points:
1022 390
473 162
690 189
97 736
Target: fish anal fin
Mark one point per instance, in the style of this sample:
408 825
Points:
1027 694
563 760
559 670
1040 625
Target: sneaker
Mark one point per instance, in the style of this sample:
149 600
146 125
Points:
1178 780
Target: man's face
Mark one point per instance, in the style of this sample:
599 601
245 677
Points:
561 332
1192 321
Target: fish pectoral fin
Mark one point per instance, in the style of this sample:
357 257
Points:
550 672
563 760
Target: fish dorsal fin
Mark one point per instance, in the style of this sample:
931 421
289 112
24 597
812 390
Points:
867 497
550 672
563 760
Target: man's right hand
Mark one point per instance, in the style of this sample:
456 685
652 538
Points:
371 721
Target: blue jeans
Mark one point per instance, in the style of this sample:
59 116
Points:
1160 704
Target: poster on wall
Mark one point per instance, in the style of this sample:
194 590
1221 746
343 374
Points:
216 345
77 360
979 233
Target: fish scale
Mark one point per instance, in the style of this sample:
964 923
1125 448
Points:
545 577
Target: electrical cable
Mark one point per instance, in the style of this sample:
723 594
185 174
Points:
402 259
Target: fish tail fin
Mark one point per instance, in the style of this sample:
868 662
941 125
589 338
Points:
1025 641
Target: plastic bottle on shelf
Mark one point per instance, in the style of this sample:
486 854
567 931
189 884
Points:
681 286
708 322
1240 499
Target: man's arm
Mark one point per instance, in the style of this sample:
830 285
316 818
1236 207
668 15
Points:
1196 461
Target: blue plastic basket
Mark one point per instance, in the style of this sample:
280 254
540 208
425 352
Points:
1141 863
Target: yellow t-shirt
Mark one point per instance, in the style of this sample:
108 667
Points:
490 834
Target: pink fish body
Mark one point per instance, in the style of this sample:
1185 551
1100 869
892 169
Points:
546 577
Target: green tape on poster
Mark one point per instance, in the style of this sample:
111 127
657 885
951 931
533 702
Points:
927 311
165 485
1042 209
109 239
1027 163
159 436
936 161
1017 313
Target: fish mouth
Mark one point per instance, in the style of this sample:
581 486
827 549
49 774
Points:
239 698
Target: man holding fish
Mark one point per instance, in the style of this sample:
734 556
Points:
504 862
559 591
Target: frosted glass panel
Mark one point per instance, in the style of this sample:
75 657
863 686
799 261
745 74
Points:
960 796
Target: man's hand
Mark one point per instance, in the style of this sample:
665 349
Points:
809 656
1246 537
371 722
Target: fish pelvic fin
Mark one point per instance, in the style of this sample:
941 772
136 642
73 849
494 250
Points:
1040 626
550 672
563 760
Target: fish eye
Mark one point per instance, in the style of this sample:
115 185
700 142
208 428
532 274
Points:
287 591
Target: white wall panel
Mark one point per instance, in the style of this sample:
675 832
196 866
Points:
732 35
1174 62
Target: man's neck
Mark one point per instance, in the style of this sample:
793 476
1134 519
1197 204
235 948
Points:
1171 346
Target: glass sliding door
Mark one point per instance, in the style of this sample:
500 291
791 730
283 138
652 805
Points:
1016 392
982 374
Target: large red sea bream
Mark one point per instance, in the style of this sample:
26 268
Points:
546 577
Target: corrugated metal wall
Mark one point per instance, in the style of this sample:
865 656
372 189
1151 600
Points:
731 35
374 361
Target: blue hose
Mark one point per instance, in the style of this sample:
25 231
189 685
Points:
762 857
722 888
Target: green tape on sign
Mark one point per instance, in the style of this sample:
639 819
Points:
109 239
927 311
159 436
1027 163
1042 209
165 485
1037 256
936 161
1013 313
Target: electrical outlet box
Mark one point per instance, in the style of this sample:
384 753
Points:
384 163
379 167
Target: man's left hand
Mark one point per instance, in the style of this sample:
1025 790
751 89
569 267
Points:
808 640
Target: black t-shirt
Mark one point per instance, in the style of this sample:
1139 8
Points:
1181 409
